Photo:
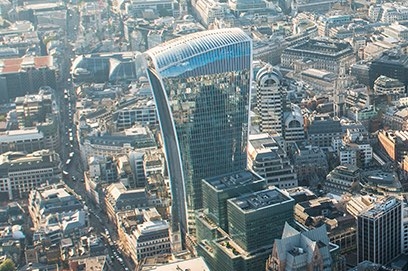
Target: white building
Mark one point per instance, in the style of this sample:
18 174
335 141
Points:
144 233
269 99
21 172
208 10
293 129
270 161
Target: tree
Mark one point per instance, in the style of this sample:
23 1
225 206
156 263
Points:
7 265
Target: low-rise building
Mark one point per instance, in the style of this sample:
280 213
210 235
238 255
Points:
394 143
380 182
118 198
326 54
138 111
270 161
343 179
299 251
193 264
99 263
117 144
143 233
20 173
310 163
56 213
321 132
325 211
388 89
26 74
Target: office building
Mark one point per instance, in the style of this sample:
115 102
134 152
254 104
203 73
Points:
240 6
155 264
139 8
209 10
254 219
394 143
217 190
135 111
379 232
293 124
257 219
20 173
118 198
113 67
392 64
27 140
20 76
33 109
325 54
143 233
270 161
310 163
270 99
321 132
117 144
343 179
201 84
47 201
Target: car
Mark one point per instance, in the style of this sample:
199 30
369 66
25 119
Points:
73 178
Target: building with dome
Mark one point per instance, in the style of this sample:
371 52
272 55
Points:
107 67
270 98
293 124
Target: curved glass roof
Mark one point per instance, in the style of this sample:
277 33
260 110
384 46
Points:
180 49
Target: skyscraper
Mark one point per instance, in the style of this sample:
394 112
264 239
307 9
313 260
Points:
379 232
201 85
270 99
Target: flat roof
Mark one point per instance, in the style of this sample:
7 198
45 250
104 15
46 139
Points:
232 180
16 64
261 199
195 264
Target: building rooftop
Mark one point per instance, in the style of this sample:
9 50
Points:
13 65
326 47
262 199
379 208
233 180
195 264
391 57
177 51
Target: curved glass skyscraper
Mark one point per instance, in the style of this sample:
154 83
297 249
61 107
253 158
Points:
201 84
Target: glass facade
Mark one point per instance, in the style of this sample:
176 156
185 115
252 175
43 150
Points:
201 85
